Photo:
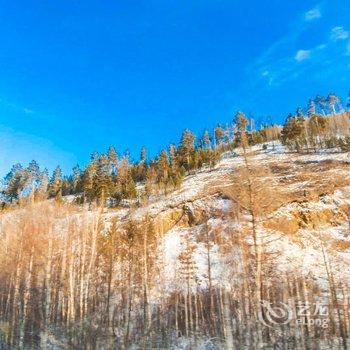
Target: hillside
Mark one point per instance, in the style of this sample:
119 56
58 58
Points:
175 175
182 270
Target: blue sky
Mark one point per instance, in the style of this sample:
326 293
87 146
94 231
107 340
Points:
77 76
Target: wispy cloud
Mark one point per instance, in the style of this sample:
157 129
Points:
16 107
28 111
292 56
339 33
313 14
302 55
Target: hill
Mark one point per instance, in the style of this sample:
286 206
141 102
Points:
227 260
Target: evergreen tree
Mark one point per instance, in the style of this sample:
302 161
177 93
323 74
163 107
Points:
151 179
205 155
163 170
172 155
77 179
205 142
15 182
102 180
317 127
140 170
241 130
126 188
66 188
300 113
219 134
187 150
88 181
256 137
176 173
143 155
291 132
33 171
94 157
112 160
55 184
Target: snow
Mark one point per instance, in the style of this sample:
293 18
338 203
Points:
199 192
301 253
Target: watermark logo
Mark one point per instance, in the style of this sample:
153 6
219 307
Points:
279 314
273 315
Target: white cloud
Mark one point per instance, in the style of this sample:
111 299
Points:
267 75
339 33
28 111
277 64
302 55
313 14
16 107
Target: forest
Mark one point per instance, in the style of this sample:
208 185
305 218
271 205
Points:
88 259
113 178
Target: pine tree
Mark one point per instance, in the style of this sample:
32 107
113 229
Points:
241 130
140 169
219 135
176 172
112 160
88 181
55 184
163 170
94 156
143 155
67 188
187 150
77 179
102 180
15 182
151 179
33 171
317 126
300 113
205 141
173 156
204 154
126 188
291 133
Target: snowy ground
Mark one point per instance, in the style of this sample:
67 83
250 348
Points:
301 252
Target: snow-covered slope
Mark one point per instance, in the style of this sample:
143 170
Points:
313 212
202 247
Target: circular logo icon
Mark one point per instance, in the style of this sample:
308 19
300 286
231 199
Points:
273 315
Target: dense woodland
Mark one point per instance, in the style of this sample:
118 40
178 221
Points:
69 280
111 179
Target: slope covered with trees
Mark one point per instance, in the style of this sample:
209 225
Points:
192 246
109 179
